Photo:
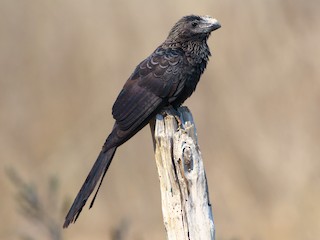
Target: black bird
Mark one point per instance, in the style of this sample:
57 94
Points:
167 77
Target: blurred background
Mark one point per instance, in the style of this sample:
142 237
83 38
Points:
62 64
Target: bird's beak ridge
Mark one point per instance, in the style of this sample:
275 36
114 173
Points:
211 23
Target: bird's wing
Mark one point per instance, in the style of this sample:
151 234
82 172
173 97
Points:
153 82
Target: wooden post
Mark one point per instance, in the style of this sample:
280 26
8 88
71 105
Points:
186 208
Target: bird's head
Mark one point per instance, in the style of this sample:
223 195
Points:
193 27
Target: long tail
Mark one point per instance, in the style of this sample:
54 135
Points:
98 171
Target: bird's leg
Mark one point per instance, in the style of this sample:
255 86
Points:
171 110
177 116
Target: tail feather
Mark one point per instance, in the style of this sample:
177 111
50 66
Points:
98 171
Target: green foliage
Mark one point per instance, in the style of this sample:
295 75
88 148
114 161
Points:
37 209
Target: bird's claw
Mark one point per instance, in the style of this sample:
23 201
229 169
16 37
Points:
175 113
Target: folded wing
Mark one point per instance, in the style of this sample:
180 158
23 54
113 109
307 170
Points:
153 82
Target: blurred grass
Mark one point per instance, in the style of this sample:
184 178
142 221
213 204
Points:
63 63
40 211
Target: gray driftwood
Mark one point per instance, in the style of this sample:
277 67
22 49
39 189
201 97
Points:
186 207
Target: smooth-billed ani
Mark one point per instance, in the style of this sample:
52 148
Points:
167 77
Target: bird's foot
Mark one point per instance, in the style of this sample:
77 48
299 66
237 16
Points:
170 110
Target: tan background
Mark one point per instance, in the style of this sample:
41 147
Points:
62 64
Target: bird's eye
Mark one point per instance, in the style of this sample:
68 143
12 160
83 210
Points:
194 24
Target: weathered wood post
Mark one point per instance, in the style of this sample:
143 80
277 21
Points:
186 208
